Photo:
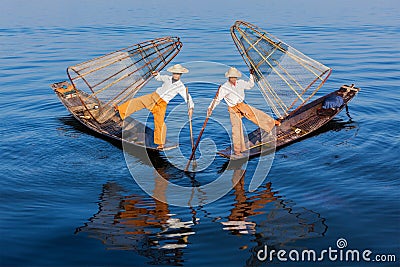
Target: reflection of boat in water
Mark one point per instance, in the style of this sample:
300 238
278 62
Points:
142 223
148 225
138 223
96 86
271 218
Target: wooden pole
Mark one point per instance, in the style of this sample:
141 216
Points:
201 132
190 127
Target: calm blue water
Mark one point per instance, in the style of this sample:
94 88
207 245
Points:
67 196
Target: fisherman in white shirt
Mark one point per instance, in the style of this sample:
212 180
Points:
233 93
157 101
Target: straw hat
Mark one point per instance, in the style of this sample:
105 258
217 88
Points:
233 72
177 69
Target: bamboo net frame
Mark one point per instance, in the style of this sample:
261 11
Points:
111 79
287 78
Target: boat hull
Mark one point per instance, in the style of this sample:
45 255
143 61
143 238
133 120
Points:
129 131
297 125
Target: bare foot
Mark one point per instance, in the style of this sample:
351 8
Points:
160 147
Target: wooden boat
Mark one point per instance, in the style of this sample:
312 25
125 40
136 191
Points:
288 79
297 125
96 86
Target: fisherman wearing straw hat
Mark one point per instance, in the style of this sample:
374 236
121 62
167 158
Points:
157 101
232 92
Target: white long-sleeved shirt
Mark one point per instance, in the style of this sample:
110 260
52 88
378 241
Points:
233 94
169 90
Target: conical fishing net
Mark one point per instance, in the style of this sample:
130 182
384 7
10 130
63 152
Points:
286 77
109 80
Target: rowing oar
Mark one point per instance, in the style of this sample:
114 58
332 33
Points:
190 127
201 131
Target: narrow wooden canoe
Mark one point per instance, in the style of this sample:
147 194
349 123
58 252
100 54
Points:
130 131
297 125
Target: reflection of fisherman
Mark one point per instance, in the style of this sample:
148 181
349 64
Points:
232 92
244 207
157 101
153 221
175 232
237 220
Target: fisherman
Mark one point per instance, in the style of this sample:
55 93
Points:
157 101
232 92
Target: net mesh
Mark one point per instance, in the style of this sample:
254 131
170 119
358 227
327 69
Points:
286 77
111 79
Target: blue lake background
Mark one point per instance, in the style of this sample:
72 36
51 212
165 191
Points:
67 196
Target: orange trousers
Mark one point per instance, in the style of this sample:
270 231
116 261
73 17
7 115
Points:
156 105
256 116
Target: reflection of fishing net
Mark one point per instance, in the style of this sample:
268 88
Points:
286 77
113 78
